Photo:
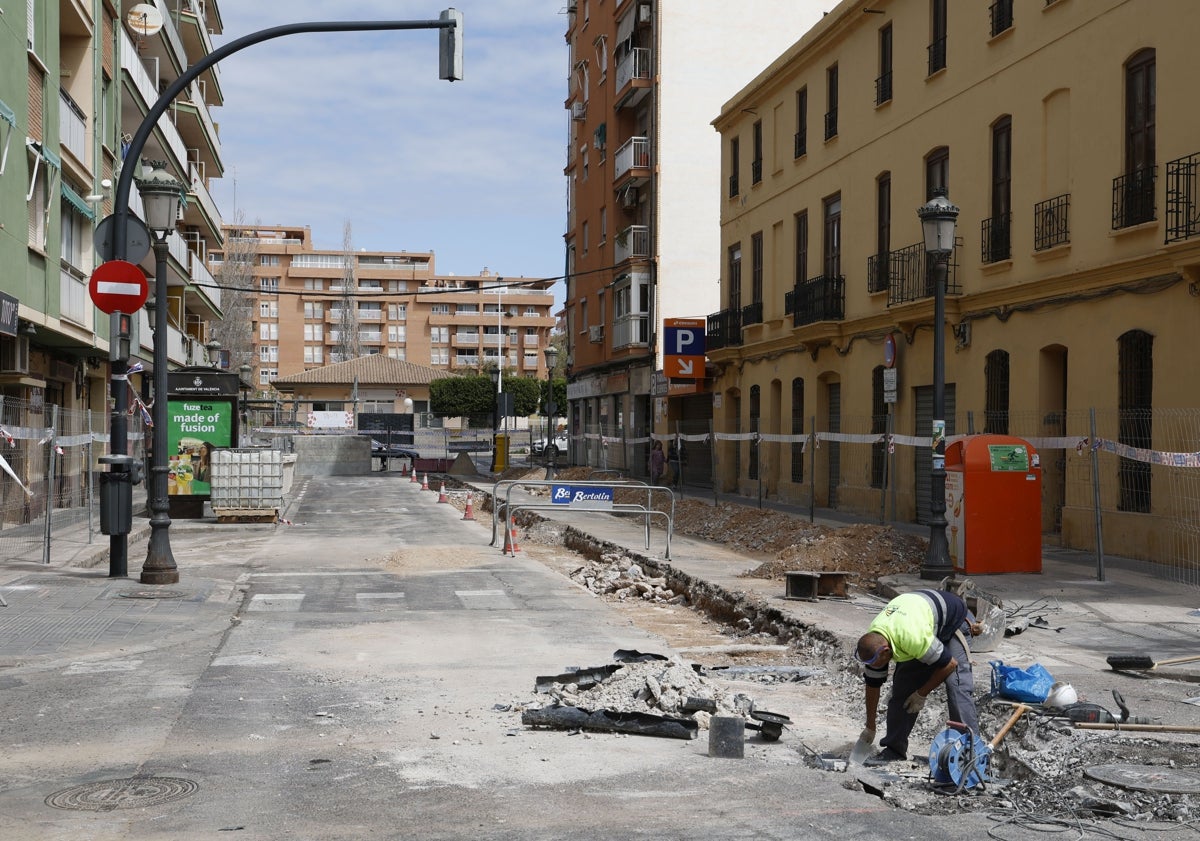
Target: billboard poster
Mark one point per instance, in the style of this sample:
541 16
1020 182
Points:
194 429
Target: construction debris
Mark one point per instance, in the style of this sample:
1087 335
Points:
616 574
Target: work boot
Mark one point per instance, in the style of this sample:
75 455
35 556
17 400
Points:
884 757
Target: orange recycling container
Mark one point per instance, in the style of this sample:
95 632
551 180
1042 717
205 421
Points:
993 505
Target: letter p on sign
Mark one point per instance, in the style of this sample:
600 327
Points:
683 348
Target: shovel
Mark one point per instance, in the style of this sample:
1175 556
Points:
862 748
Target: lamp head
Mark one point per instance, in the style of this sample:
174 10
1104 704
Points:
551 354
938 217
494 373
161 195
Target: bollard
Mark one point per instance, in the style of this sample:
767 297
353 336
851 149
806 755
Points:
727 736
470 512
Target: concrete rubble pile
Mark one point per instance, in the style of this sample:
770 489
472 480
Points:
618 575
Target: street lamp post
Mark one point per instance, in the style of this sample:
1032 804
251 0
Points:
161 196
551 354
496 461
244 386
938 216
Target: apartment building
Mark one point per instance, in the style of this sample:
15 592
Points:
76 79
1073 292
646 79
313 307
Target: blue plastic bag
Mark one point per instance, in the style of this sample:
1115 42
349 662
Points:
1030 686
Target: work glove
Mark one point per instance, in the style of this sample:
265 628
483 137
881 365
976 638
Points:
914 703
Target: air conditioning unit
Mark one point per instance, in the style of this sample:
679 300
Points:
596 333
578 110
629 198
14 355
643 13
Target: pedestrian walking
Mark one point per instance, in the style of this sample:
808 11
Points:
925 633
658 462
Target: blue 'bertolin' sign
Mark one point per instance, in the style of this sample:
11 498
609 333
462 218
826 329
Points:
573 496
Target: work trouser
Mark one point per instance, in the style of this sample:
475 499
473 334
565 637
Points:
910 676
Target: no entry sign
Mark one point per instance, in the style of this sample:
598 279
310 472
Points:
117 286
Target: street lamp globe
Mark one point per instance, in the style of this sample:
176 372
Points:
938 217
551 354
161 196
494 373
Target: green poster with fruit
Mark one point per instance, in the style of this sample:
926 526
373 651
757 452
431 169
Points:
194 429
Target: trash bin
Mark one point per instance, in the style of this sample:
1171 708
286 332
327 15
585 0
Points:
994 505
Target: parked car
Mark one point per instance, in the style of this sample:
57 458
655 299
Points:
558 445
380 450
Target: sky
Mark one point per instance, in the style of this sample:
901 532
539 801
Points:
324 128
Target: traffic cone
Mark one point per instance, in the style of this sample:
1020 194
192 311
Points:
414 478
510 538
469 514
442 496
425 482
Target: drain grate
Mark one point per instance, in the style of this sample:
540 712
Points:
152 594
1153 778
130 793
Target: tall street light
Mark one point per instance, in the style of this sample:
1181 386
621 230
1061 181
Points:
496 460
551 354
161 195
938 216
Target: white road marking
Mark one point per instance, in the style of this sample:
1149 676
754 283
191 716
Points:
276 601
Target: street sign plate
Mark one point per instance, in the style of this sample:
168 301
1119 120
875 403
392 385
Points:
587 497
889 385
683 348
118 286
137 239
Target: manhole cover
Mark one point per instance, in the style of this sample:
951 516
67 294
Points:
1147 778
131 793
152 594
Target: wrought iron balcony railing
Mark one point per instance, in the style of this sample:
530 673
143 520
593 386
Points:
937 56
883 89
752 314
733 186
831 124
1052 222
1002 16
801 143
996 239
1183 198
724 329
878 268
1133 198
911 275
756 170
818 299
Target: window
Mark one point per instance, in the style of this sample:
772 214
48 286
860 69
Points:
831 97
801 246
466 308
798 429
439 335
313 284
601 45
268 260
996 245
268 331
735 276
270 285
75 227
832 255
1002 16
268 353
583 314
397 353
1135 381
1134 193
314 332
937 36
756 268
268 309
439 356
995 407
734 156
38 198
801 139
314 310
314 354
937 171
878 281
439 309
397 286
757 161
396 333
584 236
603 225
265 375
397 312
883 84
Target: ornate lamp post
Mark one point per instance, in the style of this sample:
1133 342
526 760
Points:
551 354
938 217
161 195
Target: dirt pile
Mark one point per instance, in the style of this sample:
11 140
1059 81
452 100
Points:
868 552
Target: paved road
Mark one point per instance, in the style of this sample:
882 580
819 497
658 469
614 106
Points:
340 680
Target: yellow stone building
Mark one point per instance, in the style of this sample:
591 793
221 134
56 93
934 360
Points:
1073 292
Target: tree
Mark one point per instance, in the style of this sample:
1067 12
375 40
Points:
474 397
347 344
235 276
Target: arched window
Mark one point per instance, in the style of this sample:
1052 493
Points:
1135 403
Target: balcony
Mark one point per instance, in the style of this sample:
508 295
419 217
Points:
370 315
632 243
1183 200
883 89
1133 198
1052 222
752 314
370 336
818 299
466 340
72 127
530 341
800 141
466 361
494 340
633 154
633 77
1001 12
204 282
631 330
995 238
910 274
756 171
733 185
878 271
831 129
146 86
724 329
201 209
937 56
